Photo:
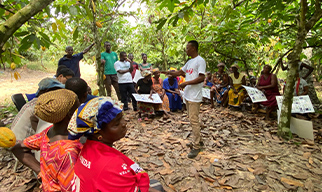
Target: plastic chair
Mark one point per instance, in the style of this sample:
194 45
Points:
18 100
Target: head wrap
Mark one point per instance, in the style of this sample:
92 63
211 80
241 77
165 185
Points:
235 65
48 83
155 70
53 106
145 73
90 116
221 65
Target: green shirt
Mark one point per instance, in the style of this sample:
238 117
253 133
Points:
110 59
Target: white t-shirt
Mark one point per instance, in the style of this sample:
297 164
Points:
125 77
193 68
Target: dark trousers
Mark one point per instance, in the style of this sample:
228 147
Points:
125 89
109 81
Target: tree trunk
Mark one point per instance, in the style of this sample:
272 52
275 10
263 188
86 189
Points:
9 27
99 65
294 58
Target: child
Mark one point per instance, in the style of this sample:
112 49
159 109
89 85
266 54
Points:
58 154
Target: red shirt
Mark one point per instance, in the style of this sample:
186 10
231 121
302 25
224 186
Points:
103 168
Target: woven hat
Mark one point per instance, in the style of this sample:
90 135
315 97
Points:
53 106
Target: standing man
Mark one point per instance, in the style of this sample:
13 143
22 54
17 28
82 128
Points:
72 61
124 68
108 58
194 70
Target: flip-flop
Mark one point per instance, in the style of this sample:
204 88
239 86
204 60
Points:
139 119
146 119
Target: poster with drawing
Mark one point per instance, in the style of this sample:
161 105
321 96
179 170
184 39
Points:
145 98
137 76
301 104
255 94
206 93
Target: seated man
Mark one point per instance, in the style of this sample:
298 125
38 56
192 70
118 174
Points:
219 90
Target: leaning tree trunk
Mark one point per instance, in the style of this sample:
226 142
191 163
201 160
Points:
99 65
294 58
9 27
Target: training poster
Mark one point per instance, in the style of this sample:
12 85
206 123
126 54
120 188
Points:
301 104
255 94
145 98
206 93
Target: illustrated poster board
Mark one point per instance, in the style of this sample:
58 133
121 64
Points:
145 98
206 93
255 94
301 104
137 76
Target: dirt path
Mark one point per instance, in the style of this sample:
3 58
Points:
30 79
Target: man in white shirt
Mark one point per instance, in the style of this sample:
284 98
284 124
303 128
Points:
195 70
124 67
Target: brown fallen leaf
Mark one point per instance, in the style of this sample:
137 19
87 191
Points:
255 157
292 182
311 160
222 181
224 187
259 170
172 187
306 155
250 169
166 172
209 179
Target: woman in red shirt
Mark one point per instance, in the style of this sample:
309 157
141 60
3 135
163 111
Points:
100 167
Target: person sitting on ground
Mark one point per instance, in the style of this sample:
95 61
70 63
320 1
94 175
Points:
100 167
72 61
64 74
267 83
144 86
170 85
26 123
208 83
79 86
158 88
220 88
236 93
60 67
89 90
58 154
301 87
145 65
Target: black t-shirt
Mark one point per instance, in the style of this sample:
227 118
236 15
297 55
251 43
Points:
144 88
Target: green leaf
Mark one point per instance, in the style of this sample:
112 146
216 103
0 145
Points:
23 33
57 11
27 42
75 34
73 10
37 43
162 22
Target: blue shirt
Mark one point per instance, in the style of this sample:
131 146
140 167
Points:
72 63
166 84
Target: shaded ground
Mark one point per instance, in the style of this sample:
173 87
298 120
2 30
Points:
241 152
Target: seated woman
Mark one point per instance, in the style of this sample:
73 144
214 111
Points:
58 154
301 87
219 90
100 167
145 65
236 93
158 88
208 83
267 83
170 85
144 86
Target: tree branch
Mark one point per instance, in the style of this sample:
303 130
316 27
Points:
316 16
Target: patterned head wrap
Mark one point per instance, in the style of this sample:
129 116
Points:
145 73
90 116
53 106
155 70
48 83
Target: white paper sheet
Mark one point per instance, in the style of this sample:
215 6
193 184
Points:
206 93
255 94
145 98
137 76
301 104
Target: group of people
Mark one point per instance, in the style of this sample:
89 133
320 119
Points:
63 113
